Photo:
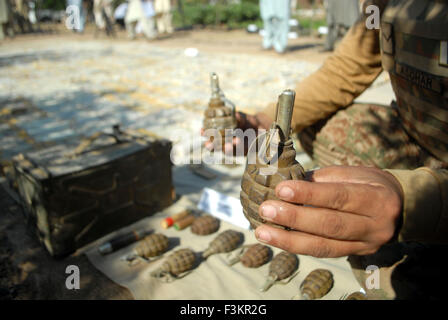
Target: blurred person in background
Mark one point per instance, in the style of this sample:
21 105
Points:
275 15
82 14
5 19
341 15
104 17
120 14
21 16
141 12
164 16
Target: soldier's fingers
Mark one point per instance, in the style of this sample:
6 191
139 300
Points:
338 196
328 223
340 174
311 245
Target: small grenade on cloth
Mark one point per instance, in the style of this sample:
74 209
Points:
150 246
205 225
226 241
271 164
357 296
176 266
218 116
282 267
252 256
317 284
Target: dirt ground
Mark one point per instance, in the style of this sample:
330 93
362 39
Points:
27 271
304 48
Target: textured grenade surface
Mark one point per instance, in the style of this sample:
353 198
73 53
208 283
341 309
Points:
218 116
180 261
257 187
152 245
205 225
256 256
271 161
317 284
283 265
226 241
357 296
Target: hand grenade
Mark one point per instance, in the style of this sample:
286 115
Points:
179 262
253 256
226 241
150 246
282 267
205 225
218 116
271 164
317 284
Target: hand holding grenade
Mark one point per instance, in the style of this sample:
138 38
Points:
218 116
176 266
226 241
150 246
317 284
282 267
271 164
205 225
252 256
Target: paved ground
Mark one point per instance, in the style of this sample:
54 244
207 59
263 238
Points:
60 86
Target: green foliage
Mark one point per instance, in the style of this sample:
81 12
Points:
52 4
309 23
234 16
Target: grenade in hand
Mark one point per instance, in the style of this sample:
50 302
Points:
271 163
218 116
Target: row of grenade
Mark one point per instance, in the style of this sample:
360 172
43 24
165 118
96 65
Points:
155 245
283 266
182 261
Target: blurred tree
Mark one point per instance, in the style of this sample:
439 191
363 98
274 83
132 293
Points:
52 4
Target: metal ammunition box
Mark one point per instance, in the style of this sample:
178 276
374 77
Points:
75 193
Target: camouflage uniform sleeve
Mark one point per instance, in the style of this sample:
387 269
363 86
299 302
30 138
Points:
350 70
425 210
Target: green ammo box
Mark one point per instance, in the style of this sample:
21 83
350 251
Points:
74 194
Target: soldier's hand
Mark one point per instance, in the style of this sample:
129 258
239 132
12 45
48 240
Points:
348 211
244 122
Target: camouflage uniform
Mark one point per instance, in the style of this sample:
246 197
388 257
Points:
408 139
365 135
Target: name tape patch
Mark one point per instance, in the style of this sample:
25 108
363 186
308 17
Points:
444 53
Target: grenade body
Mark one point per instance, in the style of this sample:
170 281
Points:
218 116
271 163
317 284
205 225
282 266
256 256
258 186
226 241
177 263
152 246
